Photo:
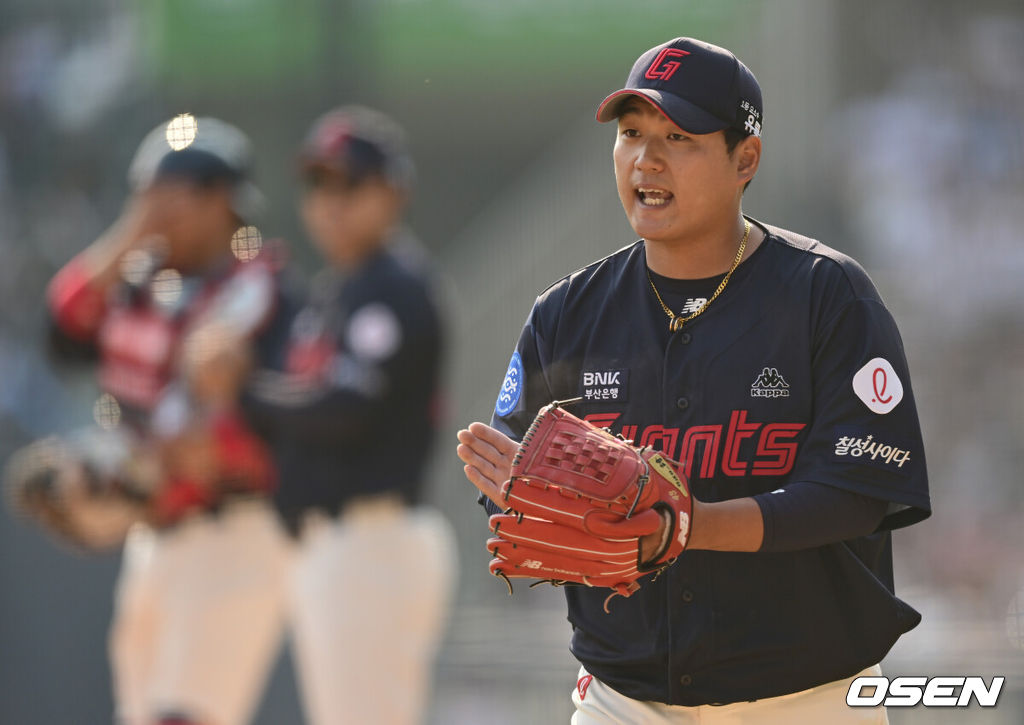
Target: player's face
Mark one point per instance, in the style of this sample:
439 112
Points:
674 186
193 220
348 222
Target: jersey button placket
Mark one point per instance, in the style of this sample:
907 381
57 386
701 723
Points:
678 370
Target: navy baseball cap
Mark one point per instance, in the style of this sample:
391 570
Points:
359 143
203 151
700 87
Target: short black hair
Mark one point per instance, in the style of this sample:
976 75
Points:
733 136
200 168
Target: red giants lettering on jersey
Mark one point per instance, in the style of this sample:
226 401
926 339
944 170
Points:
698 447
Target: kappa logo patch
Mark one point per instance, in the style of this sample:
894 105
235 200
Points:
604 385
769 384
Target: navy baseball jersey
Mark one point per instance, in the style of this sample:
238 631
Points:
355 412
796 373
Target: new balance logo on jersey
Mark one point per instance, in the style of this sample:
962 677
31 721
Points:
692 305
769 384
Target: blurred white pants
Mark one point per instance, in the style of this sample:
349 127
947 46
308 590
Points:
199 614
370 597
823 705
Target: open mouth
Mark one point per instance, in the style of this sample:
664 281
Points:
652 197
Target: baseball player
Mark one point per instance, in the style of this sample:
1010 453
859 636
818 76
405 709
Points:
767 366
199 602
351 411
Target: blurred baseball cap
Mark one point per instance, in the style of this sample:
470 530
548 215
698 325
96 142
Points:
700 87
359 143
204 151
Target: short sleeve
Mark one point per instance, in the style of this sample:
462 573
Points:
524 389
865 435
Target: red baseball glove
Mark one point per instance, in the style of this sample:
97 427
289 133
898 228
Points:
579 500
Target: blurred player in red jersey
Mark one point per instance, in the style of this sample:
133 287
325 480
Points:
199 604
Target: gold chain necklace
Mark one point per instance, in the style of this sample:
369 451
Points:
676 322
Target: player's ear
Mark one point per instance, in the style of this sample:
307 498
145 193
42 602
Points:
747 156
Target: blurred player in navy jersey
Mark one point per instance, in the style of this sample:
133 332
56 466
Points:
351 411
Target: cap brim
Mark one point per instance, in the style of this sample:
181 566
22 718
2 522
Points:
679 111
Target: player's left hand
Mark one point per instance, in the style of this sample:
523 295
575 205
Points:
57 485
584 506
488 455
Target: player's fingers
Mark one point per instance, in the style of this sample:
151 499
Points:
496 473
501 443
478 479
470 455
483 483
496 449
486 450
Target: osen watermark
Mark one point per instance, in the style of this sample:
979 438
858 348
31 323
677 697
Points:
926 691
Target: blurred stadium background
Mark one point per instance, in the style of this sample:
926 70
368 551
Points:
894 131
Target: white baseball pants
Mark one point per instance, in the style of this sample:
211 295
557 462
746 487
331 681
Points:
370 597
199 614
601 705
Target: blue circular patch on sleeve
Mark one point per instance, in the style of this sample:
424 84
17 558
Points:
511 387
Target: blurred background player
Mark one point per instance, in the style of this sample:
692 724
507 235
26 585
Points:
199 603
352 411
